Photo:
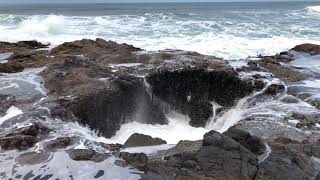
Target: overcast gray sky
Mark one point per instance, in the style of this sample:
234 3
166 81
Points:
121 1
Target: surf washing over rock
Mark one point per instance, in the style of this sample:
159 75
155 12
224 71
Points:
228 30
96 109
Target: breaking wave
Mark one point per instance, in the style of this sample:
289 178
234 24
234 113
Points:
225 37
314 9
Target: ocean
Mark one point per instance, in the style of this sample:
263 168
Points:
227 30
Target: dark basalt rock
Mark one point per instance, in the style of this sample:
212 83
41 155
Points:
190 90
6 102
230 159
11 68
59 143
32 158
136 160
87 155
253 143
223 157
100 51
22 138
112 147
102 104
136 140
6 47
274 89
312 49
219 157
280 71
285 162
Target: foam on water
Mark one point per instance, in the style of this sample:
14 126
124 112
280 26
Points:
23 85
11 112
177 129
60 166
3 57
232 34
314 9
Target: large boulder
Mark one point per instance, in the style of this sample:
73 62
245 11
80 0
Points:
23 138
6 102
136 140
219 157
136 160
286 162
98 97
223 158
312 49
191 90
6 47
253 143
87 155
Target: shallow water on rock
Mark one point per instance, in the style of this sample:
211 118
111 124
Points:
265 115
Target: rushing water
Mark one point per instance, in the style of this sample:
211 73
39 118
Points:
229 30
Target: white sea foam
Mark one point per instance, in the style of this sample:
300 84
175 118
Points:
314 9
177 129
152 31
11 112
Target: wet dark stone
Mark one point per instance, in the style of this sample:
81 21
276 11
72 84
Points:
99 174
112 147
120 163
32 158
59 143
136 160
190 91
274 89
86 155
46 177
22 138
28 175
312 49
6 102
137 139
253 143
18 176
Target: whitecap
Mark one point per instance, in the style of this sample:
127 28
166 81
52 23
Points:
313 9
11 112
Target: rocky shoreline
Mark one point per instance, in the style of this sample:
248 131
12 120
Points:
104 85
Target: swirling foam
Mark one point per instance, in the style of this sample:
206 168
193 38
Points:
220 36
314 9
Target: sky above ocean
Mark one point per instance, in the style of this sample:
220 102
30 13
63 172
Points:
127 1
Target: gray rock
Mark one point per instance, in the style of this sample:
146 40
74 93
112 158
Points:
285 162
99 174
312 49
253 143
59 143
136 140
120 163
223 158
274 89
87 155
136 160
23 138
6 102
32 158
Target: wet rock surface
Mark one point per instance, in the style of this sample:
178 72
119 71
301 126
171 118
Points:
136 140
6 102
223 157
87 155
253 143
312 49
22 138
103 85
